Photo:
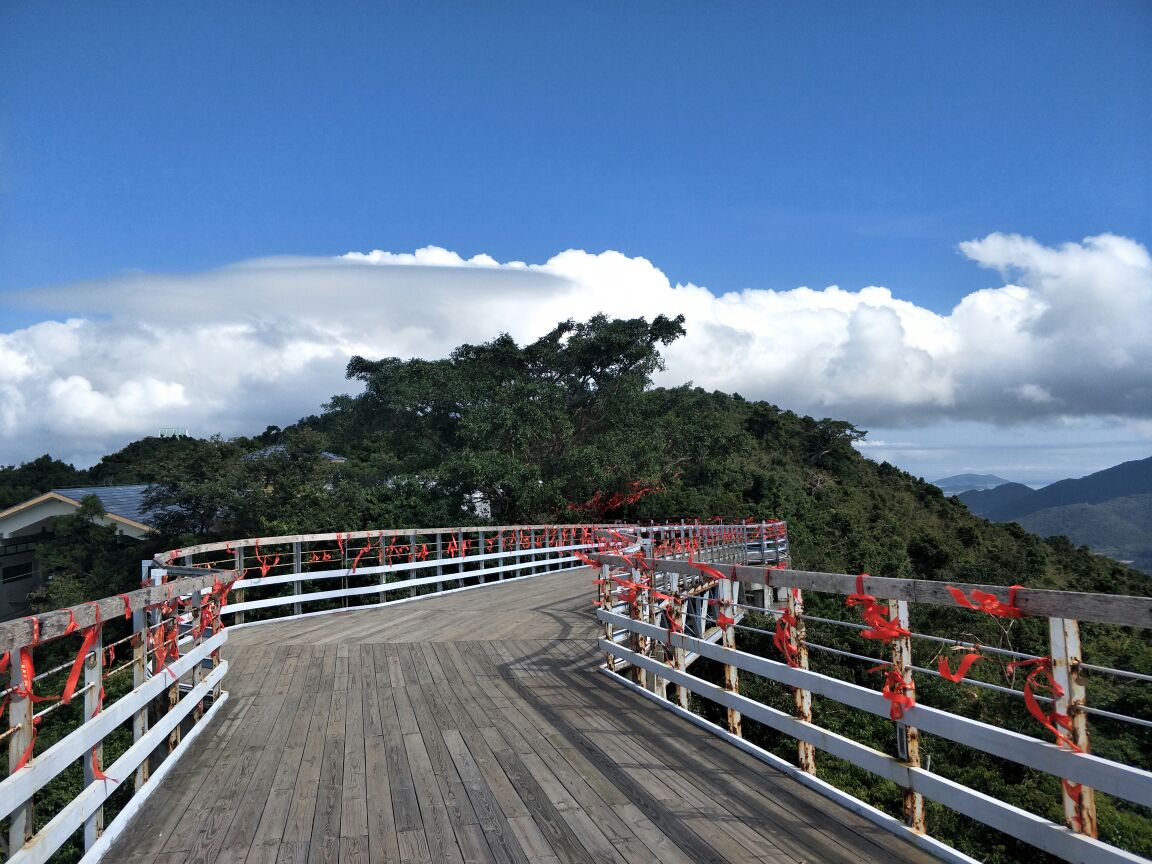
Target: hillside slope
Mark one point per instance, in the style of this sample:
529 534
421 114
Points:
1120 528
982 502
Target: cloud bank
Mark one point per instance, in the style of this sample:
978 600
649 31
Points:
1062 335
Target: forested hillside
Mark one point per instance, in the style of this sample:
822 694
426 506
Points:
1108 511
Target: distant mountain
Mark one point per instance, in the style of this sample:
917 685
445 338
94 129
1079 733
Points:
958 483
1128 478
1110 511
983 502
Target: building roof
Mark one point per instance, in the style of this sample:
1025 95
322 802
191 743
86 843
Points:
122 504
124 501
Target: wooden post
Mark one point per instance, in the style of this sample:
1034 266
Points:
20 717
907 737
731 673
801 699
1079 801
93 682
480 551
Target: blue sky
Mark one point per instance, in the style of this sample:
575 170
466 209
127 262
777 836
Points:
761 146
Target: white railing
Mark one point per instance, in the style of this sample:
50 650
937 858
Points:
169 634
167 686
646 644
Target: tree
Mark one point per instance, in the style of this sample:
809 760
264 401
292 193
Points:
530 428
84 560
35 478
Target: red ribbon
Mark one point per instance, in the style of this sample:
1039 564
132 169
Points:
783 638
966 662
982 601
707 569
90 636
880 626
127 606
896 691
97 774
589 561
1040 675
359 555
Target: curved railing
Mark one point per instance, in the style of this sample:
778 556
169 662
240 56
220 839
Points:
124 684
645 607
119 688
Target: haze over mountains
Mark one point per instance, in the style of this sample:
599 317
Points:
958 483
1109 512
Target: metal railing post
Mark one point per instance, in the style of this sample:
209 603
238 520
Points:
93 696
731 673
197 637
606 605
1079 800
297 566
20 717
141 719
801 699
238 566
907 737
679 654
635 641
500 548
439 559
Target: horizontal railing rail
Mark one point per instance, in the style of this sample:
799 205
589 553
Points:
645 643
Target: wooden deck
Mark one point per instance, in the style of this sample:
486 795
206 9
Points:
469 728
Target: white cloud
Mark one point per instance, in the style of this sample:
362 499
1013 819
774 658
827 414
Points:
266 341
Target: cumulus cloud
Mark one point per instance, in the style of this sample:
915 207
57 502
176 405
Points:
265 341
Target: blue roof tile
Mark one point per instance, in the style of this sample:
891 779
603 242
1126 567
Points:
123 501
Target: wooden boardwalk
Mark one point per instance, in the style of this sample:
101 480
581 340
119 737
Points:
470 728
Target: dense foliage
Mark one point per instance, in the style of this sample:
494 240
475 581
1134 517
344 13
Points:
538 432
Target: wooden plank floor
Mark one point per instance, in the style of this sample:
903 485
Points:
470 728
